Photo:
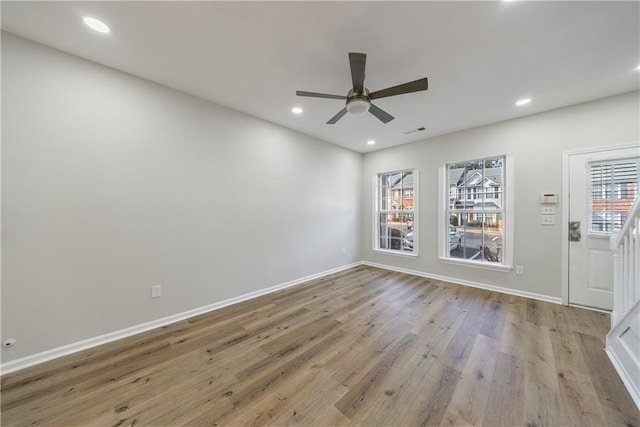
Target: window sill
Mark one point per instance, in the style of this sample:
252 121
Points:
596 235
480 265
398 253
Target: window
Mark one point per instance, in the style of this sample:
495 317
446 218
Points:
475 213
614 188
395 210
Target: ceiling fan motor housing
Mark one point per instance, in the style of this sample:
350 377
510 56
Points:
358 103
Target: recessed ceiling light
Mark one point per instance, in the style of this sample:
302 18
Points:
523 101
96 24
370 142
296 110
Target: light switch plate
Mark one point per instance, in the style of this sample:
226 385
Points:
548 220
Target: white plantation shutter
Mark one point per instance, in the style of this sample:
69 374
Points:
614 188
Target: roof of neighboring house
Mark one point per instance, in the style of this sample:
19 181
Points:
489 204
493 174
405 180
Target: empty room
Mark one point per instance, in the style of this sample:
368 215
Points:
320 213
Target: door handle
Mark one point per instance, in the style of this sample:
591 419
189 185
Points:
575 235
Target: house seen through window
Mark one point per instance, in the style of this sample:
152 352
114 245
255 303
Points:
475 211
396 194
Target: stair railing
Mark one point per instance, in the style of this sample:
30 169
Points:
625 246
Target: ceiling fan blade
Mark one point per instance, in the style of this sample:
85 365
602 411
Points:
319 95
382 115
414 86
357 62
334 119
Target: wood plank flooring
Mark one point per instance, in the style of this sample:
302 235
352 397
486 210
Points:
364 347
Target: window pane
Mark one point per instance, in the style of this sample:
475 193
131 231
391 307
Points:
457 247
394 238
601 221
385 231
492 237
386 204
385 193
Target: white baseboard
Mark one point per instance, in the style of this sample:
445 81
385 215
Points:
25 362
509 291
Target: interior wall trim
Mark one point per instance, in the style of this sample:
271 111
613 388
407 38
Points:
45 356
625 358
473 284
622 371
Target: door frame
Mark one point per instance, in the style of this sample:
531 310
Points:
566 155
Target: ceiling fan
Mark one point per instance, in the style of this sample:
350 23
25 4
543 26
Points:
359 98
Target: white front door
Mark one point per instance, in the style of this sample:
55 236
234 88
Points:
601 185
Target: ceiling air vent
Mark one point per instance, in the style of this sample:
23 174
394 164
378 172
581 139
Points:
409 132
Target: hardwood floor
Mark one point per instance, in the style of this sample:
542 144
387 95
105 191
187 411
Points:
361 347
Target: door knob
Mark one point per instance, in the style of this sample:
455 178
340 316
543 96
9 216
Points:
575 235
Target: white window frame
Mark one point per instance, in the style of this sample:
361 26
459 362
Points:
377 211
508 218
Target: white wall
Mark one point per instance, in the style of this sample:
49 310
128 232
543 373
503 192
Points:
536 144
111 184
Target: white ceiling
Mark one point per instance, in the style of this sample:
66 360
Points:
480 57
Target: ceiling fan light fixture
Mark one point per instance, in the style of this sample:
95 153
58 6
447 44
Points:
358 105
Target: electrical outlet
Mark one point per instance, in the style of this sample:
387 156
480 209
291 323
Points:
548 210
156 291
519 270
